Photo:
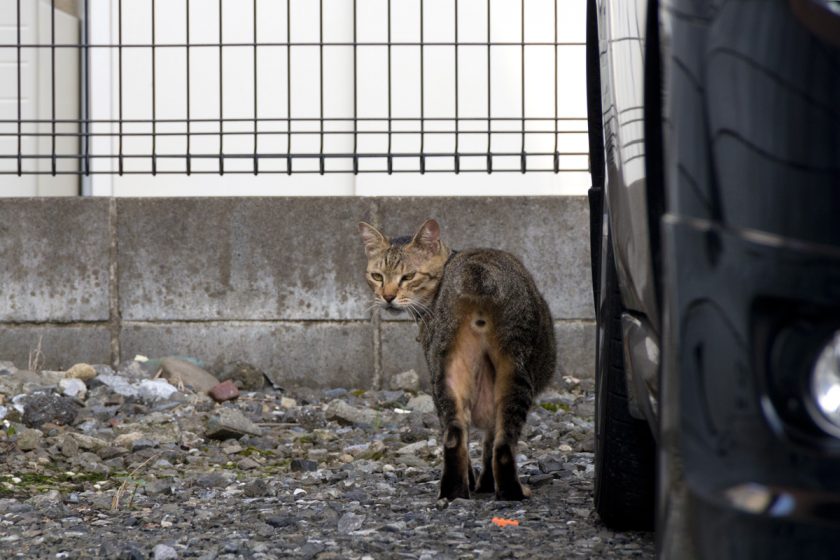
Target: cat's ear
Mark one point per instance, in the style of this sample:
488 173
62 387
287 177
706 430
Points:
372 238
428 236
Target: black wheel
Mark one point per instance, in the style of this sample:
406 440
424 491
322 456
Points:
625 451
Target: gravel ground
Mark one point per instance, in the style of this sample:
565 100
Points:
102 464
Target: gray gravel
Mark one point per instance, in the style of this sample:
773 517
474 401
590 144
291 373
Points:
131 469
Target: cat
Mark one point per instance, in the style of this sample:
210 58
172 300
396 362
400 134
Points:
488 338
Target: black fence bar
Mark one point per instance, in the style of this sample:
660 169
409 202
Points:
448 142
390 163
221 91
189 112
523 160
19 99
422 92
154 95
355 90
86 86
52 82
457 135
321 162
489 97
256 104
120 86
289 87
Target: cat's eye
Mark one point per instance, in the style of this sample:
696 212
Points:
376 276
407 277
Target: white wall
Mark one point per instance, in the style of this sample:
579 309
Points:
371 95
36 98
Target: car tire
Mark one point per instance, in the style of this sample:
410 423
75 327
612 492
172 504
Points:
625 451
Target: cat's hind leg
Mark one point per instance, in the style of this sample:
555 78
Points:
457 477
486 482
513 399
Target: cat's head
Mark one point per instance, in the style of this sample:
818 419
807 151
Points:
404 272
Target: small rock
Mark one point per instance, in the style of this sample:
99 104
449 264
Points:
335 393
247 464
286 402
213 480
84 372
230 423
88 443
421 403
118 384
143 443
127 440
413 448
224 391
406 381
73 387
178 371
69 447
350 522
155 390
29 439
244 375
41 408
344 413
303 465
256 488
164 552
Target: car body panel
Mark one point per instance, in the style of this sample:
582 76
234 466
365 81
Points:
752 129
622 47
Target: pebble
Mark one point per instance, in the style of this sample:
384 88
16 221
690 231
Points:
41 408
84 372
74 388
164 552
229 423
181 372
406 381
224 391
421 403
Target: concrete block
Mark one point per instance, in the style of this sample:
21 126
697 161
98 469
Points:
61 347
401 352
311 353
549 234
575 350
243 258
54 260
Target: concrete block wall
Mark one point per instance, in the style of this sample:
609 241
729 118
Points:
277 282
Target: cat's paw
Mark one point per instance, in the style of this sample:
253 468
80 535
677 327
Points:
452 489
513 492
486 483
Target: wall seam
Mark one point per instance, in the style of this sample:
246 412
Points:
375 319
113 281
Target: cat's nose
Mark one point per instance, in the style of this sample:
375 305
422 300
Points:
389 298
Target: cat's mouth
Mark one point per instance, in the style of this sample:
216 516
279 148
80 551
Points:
392 309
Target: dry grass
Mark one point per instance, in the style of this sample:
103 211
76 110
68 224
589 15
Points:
115 502
36 357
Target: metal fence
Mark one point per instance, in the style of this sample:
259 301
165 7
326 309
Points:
279 135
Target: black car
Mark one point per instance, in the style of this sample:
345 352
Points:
714 131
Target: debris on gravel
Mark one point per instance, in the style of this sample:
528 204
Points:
145 465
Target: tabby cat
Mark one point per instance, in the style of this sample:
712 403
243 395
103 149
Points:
488 339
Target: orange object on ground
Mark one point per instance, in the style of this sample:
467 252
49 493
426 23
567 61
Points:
502 522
